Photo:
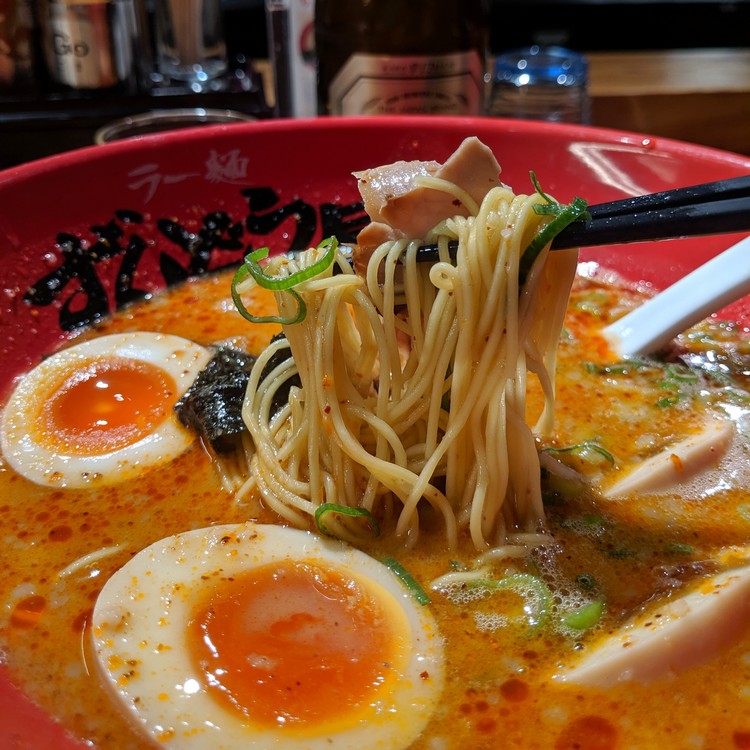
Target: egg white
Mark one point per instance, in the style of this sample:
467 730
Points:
139 628
36 455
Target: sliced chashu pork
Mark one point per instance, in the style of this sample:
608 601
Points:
679 462
662 641
398 207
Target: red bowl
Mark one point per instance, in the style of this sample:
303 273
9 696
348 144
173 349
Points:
87 231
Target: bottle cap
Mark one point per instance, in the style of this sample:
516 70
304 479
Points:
528 66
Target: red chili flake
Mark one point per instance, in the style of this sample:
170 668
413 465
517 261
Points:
28 611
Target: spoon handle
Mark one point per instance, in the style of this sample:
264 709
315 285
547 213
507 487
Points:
710 287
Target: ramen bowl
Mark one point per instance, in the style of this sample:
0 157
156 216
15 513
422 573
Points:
88 233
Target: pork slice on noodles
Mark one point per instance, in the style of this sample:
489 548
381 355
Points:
401 204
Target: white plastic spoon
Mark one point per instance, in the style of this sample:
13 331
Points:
710 287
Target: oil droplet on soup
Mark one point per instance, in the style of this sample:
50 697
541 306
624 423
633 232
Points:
495 694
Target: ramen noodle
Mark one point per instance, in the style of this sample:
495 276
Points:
425 400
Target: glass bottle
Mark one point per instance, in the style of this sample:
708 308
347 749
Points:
541 83
396 57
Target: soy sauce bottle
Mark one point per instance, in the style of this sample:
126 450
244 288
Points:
396 57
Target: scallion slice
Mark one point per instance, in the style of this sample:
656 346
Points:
567 214
408 580
276 283
582 449
564 214
536 596
584 617
252 268
343 510
241 274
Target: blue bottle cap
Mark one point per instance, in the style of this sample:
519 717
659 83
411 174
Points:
542 65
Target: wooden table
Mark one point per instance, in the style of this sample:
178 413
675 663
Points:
702 96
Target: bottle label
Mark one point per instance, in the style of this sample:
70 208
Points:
449 84
80 51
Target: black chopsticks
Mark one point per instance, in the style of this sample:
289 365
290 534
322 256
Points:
711 208
719 207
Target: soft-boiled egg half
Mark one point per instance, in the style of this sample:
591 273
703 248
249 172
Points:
259 636
101 411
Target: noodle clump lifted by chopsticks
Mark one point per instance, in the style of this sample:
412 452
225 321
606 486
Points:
413 375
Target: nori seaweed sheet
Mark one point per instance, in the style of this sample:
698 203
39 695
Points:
213 404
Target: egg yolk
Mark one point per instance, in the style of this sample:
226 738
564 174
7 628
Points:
297 644
106 405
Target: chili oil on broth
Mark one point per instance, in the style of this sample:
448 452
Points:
47 606
498 687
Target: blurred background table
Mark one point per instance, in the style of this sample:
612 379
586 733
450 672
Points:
697 95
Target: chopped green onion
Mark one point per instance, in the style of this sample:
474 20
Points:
668 385
669 401
343 510
679 548
251 268
620 368
620 553
584 617
594 302
538 187
582 449
594 519
678 380
535 593
408 580
241 275
566 215
278 283
587 524
681 374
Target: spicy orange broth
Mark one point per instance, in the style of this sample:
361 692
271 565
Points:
499 692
